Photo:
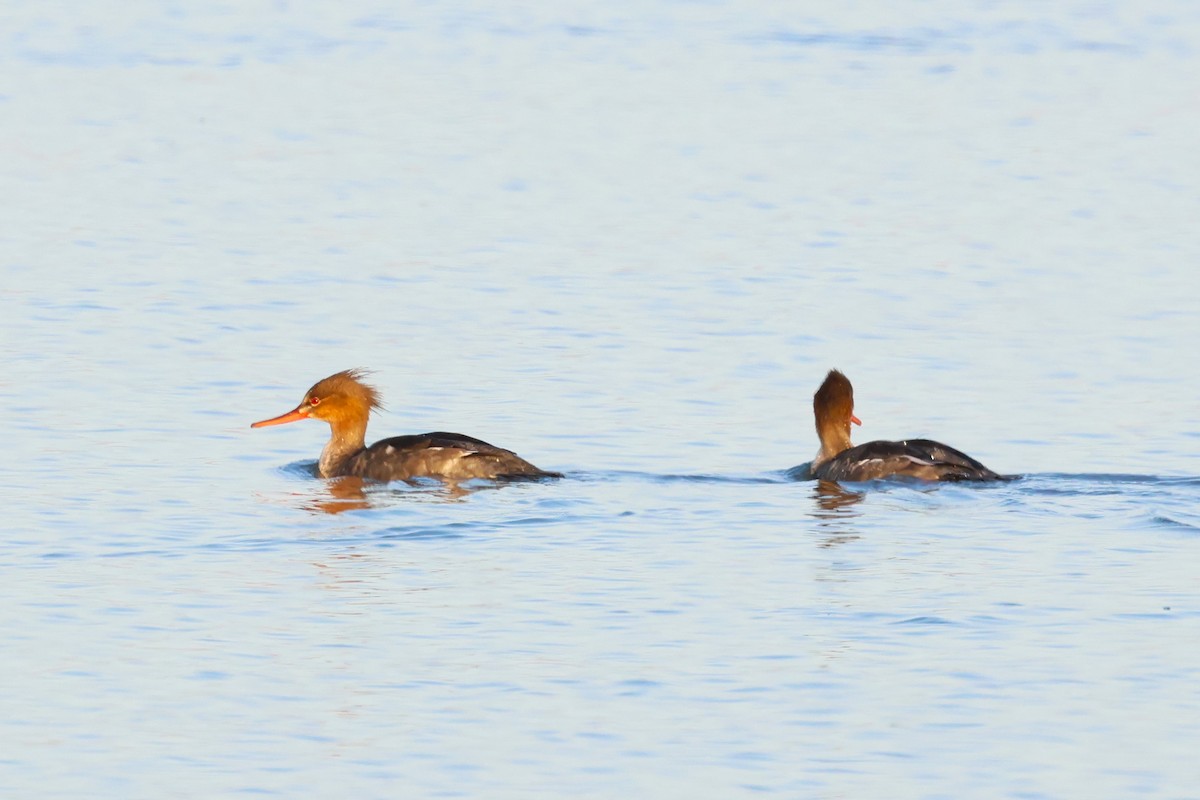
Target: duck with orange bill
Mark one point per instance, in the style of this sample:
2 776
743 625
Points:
840 460
345 402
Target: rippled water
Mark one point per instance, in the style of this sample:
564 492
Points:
626 242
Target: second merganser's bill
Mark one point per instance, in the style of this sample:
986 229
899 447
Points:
840 460
346 402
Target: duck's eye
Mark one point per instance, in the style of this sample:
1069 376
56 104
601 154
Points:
314 401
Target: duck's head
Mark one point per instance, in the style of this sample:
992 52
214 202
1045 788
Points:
833 408
340 398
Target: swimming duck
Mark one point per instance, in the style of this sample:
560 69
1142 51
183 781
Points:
345 401
840 460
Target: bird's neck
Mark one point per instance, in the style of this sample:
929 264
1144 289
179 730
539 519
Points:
346 438
835 438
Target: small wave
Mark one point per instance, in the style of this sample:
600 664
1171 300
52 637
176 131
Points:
1175 522
1119 477
672 477
455 530
1105 483
300 469
924 620
912 41
449 530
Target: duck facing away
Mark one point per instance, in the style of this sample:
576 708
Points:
840 460
345 402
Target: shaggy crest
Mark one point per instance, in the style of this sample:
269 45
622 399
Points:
349 384
835 398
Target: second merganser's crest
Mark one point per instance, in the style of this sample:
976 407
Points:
345 402
840 460
835 398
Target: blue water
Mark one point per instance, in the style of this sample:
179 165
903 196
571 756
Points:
627 242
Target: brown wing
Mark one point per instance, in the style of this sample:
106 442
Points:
452 456
915 458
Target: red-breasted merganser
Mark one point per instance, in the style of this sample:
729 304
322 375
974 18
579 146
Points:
345 402
840 460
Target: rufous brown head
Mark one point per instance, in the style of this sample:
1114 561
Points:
834 402
342 397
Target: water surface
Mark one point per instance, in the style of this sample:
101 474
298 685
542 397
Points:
627 242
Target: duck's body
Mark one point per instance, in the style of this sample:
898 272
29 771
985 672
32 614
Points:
452 456
345 402
911 458
840 460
